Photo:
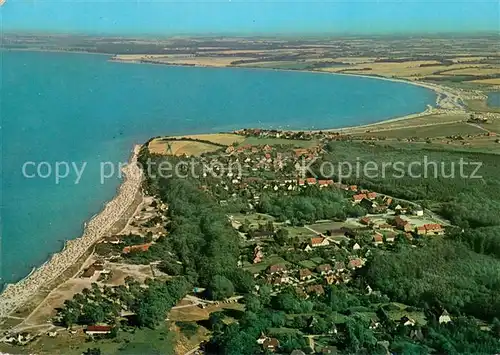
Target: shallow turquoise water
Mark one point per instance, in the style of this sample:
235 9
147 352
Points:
82 108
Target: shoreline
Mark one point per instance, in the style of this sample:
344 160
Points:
18 294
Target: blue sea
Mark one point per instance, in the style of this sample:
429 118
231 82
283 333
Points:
82 108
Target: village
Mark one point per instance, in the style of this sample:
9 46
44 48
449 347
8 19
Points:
306 255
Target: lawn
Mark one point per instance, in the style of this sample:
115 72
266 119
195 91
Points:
271 260
300 232
308 264
323 227
142 341
254 218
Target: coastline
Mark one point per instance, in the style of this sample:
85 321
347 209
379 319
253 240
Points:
17 294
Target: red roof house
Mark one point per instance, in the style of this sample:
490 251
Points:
136 248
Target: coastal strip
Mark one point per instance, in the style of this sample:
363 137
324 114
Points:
16 295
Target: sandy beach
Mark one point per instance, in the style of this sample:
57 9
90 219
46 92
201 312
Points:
16 295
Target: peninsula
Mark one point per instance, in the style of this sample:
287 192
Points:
273 258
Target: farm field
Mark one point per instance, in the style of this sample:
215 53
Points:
493 81
279 141
218 138
408 70
180 147
437 130
409 123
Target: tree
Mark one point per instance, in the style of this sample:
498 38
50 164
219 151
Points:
92 313
243 281
92 351
220 288
281 236
252 303
216 321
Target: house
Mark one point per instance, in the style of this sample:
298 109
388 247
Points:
403 224
387 201
434 229
348 232
136 248
267 148
112 240
390 237
421 230
407 321
311 181
444 317
325 183
329 350
229 149
271 344
385 226
324 269
366 221
373 324
339 266
315 289
400 209
257 254
98 265
319 242
369 205
273 269
371 195
304 274
261 339
400 222
89 272
353 188
306 247
98 329
278 279
419 211
300 152
358 198
356 246
355 263
332 279
301 182
378 239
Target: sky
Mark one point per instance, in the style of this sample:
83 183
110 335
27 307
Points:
142 17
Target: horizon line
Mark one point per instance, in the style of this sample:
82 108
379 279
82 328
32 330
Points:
7 32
